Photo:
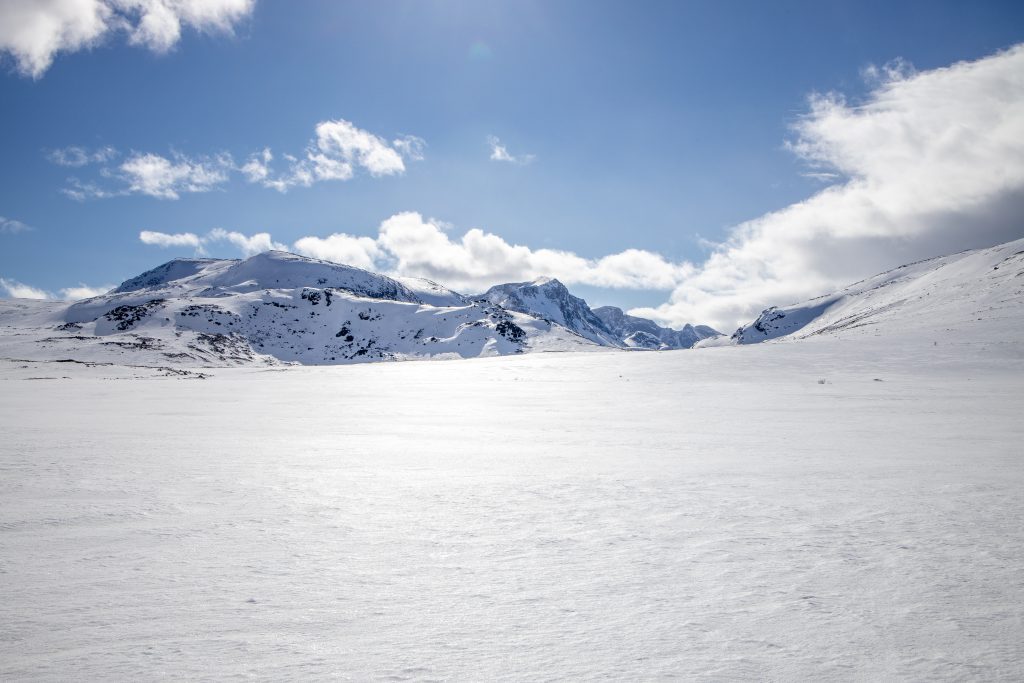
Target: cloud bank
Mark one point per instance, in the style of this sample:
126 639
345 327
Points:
408 244
338 150
33 32
929 163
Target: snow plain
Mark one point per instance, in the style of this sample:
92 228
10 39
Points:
715 514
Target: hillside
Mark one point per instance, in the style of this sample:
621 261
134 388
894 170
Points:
973 292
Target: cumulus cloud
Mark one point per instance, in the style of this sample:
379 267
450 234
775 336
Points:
33 32
337 151
361 252
408 244
9 226
499 152
18 290
929 163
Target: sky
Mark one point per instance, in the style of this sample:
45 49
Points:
688 161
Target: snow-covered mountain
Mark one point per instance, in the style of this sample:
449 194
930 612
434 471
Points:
643 333
273 307
944 297
548 299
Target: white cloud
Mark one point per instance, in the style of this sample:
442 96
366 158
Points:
9 226
340 139
35 31
499 152
338 150
163 239
931 162
361 252
18 290
83 291
149 174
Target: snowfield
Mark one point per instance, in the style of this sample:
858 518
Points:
714 514
842 502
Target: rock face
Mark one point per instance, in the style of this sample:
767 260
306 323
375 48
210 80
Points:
271 308
939 297
644 333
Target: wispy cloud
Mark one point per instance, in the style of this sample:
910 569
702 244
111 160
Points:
338 151
76 157
929 163
9 226
35 31
499 152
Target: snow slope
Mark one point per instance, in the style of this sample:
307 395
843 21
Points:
978 291
273 307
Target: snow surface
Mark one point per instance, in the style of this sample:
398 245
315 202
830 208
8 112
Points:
827 510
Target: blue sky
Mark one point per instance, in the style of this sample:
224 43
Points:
656 126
